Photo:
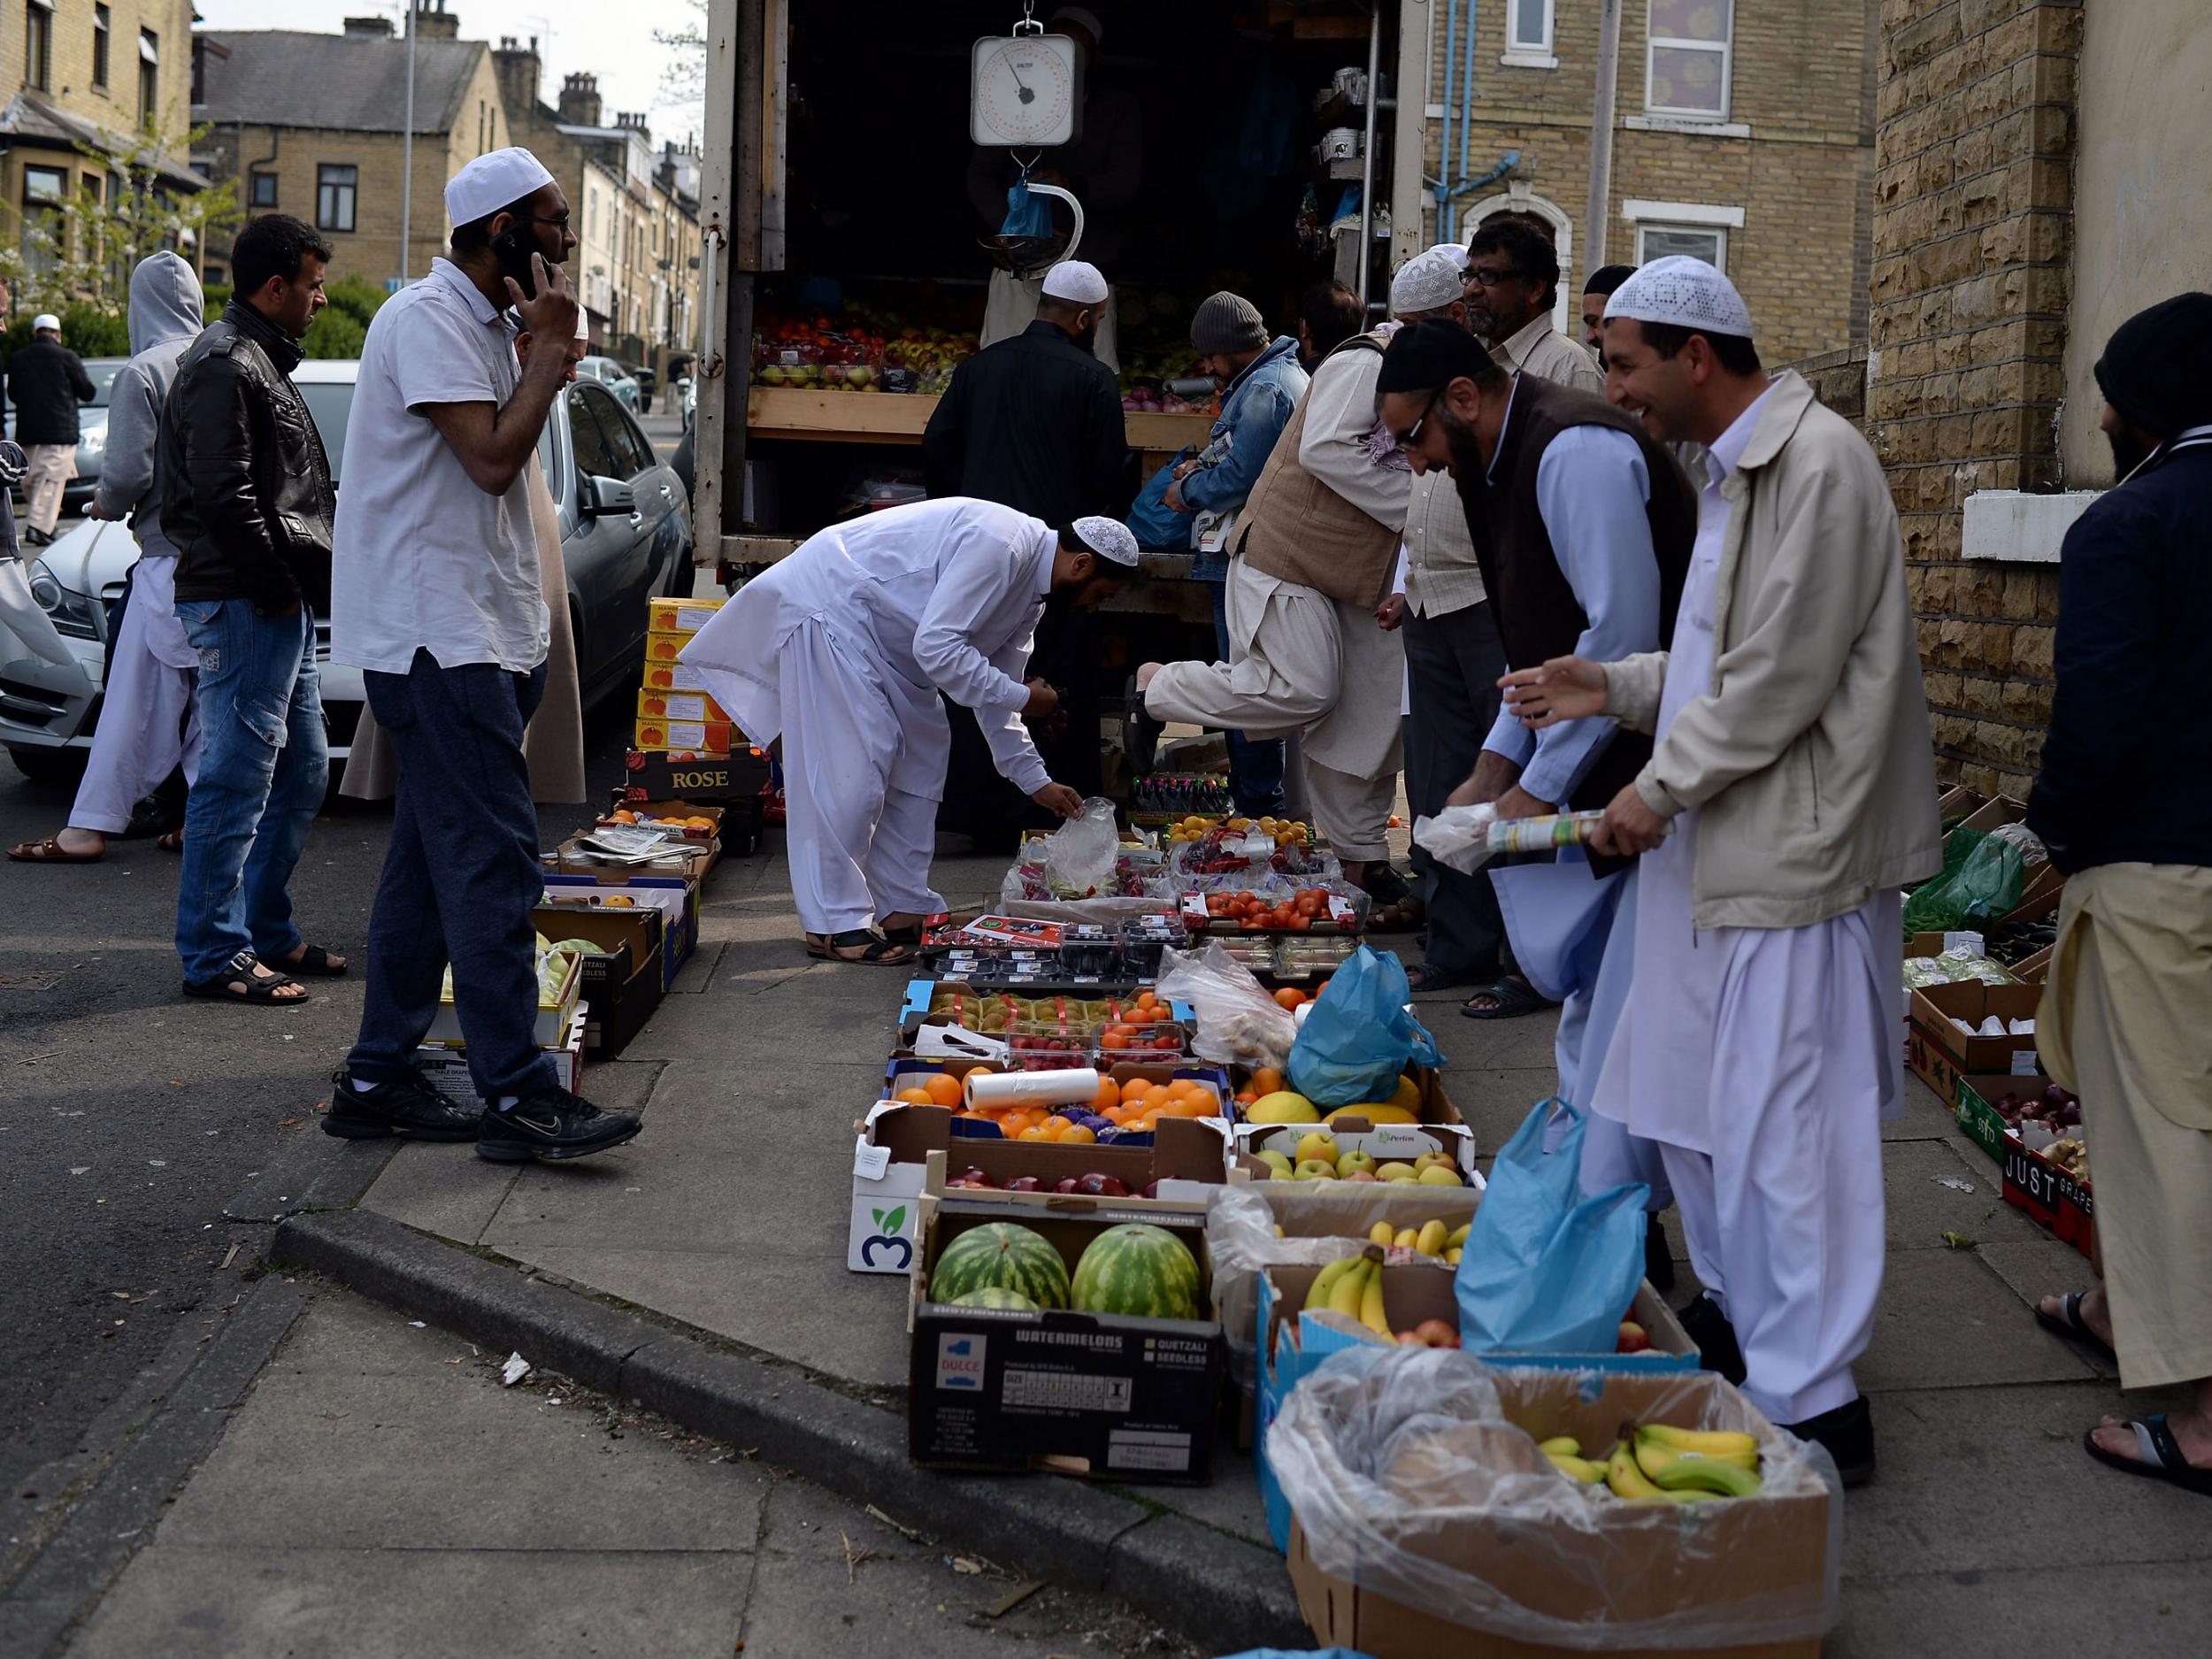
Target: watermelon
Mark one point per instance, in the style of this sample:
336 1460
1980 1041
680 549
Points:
991 1296
1139 1270
999 1255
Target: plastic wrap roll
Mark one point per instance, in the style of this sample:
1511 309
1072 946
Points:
987 1091
1539 834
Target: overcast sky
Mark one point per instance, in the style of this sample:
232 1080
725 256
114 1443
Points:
573 35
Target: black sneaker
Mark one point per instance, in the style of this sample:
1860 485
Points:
552 1123
1658 1258
405 1106
1715 1336
1848 1433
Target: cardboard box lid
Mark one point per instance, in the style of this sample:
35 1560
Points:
1189 1149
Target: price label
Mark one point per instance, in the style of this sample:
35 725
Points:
870 1161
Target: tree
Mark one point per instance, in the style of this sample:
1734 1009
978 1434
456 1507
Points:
82 252
684 77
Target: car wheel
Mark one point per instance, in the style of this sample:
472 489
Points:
48 765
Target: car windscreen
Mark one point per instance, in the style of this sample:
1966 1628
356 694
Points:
330 403
101 372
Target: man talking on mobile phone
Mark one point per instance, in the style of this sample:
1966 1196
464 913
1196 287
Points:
435 598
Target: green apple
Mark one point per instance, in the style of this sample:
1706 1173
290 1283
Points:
1313 1169
1278 1163
1395 1172
1316 1147
1353 1161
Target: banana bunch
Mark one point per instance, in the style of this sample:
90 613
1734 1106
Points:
1432 1238
1658 1464
1352 1285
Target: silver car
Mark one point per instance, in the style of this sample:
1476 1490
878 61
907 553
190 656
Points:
625 536
614 377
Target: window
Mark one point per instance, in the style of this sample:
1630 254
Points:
330 404
1698 241
632 453
336 188
99 46
261 190
1685 63
38 46
592 458
42 191
1528 34
149 76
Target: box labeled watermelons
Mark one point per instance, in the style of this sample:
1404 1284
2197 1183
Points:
1008 1382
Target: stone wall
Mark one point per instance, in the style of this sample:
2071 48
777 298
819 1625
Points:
1973 216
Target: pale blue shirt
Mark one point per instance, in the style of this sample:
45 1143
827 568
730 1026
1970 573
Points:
1592 490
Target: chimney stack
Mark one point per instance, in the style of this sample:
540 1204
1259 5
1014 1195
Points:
580 103
368 28
435 23
521 74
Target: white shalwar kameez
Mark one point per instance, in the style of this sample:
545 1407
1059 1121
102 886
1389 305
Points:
1762 1060
842 648
150 715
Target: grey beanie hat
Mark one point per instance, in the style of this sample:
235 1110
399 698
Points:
1227 322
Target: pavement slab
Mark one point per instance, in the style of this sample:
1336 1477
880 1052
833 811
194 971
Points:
2150 1611
1946 1321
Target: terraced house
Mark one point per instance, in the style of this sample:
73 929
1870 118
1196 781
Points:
1742 133
111 75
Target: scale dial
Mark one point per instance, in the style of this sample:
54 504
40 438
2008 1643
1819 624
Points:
1024 93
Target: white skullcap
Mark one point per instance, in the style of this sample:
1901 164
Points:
1085 21
498 179
1685 292
1455 251
1109 538
1427 282
1073 281
46 320
583 324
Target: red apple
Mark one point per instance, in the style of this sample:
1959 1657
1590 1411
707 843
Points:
1025 1184
1634 1337
1436 1333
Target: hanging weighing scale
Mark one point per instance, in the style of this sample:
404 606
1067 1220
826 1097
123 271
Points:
1025 93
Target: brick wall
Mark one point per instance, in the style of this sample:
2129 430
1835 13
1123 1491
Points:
1972 229
1795 153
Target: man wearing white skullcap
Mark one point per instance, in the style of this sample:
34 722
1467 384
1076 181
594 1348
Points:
437 598
845 651
1793 765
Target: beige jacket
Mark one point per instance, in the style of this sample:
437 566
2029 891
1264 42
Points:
1810 759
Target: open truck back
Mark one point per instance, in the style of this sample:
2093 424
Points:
845 270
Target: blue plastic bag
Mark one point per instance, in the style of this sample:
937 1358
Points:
1156 525
1027 215
1548 1269
1361 1035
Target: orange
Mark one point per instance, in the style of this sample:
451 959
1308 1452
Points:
1266 1081
942 1088
1031 1134
1148 999
1109 1094
1289 996
1115 1037
915 1097
1114 1115
1077 1135
1156 1096
1133 1091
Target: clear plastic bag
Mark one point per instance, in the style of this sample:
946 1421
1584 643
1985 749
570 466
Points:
1458 836
1414 1474
1239 1022
1079 856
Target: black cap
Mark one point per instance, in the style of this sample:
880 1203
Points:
1607 278
2157 367
1432 353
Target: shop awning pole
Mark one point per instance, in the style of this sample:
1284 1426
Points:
1367 150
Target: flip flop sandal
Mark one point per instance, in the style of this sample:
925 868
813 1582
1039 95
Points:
867 947
50 851
313 959
2068 1324
260 993
170 840
1514 998
2162 1458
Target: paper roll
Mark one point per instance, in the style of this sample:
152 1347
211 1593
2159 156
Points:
987 1091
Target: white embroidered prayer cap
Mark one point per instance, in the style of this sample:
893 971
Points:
1109 538
1685 292
1427 282
1076 282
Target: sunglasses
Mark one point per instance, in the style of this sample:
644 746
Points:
1490 278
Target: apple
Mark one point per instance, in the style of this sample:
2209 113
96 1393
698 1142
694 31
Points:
1634 1337
974 1177
1282 1166
1025 1184
1065 1184
1097 1186
1360 1175
1436 1333
1351 1163
1395 1172
1315 1148
1313 1169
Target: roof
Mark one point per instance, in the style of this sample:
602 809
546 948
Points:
345 84
29 115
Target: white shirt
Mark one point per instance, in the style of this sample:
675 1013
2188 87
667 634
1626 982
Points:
422 559
943 596
1591 489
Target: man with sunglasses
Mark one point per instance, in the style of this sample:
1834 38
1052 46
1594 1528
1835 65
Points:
1582 526
1512 284
436 598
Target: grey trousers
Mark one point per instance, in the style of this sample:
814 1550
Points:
1455 661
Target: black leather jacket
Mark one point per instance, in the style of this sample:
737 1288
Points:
246 494
47 382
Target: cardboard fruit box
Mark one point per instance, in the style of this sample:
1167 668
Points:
1768 1554
446 1068
1105 1395
549 1030
1293 1343
2052 1197
623 989
680 705
1187 1156
672 813
906 1070
922 994
679 618
710 738
668 676
1940 1053
735 779
675 897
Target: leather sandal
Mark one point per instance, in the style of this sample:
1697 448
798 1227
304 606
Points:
50 851
260 992
866 947
312 959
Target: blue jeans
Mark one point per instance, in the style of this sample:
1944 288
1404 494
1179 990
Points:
263 767
460 879
1255 765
